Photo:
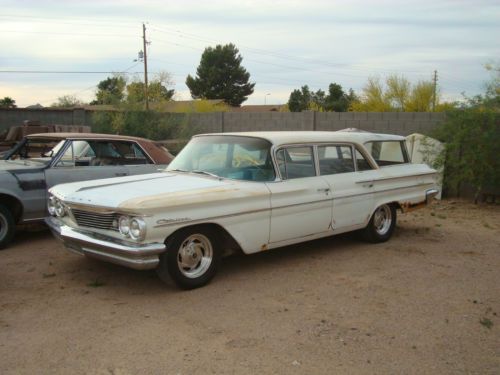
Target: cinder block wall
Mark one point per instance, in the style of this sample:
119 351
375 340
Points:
403 123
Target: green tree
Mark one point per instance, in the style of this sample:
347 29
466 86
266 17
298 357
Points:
335 100
67 101
422 97
398 92
397 95
7 102
221 76
110 91
373 98
157 90
300 100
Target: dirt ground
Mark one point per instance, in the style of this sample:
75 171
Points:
426 302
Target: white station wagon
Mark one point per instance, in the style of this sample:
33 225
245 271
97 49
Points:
250 191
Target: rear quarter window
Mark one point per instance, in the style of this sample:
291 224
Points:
388 152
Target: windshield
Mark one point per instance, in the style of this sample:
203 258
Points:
39 150
234 157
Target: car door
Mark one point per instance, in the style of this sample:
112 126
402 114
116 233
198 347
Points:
350 181
301 201
83 160
137 161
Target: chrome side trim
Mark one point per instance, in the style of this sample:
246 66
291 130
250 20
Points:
396 177
203 220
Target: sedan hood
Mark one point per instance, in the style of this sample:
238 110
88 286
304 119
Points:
148 192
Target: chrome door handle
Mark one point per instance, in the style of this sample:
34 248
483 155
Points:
324 190
121 174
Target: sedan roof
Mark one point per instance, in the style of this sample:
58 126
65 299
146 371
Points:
61 136
158 153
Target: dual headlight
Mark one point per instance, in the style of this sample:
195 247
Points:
56 207
133 227
128 226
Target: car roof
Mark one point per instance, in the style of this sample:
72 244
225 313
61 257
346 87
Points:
291 137
155 150
85 136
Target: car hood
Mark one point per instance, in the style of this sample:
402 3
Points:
152 191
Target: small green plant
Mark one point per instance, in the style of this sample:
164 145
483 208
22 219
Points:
486 323
96 283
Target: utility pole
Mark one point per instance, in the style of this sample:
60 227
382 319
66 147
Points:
434 79
145 66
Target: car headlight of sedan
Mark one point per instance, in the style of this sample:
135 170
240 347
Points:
133 227
51 206
56 207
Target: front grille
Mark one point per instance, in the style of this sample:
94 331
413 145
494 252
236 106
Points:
88 219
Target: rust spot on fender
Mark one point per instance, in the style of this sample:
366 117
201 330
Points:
263 247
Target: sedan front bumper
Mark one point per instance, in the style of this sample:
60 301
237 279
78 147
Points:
136 256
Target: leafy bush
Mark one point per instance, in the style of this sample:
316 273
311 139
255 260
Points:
472 137
147 124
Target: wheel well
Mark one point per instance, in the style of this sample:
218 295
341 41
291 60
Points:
397 206
225 240
13 204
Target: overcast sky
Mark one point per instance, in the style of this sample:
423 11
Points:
284 44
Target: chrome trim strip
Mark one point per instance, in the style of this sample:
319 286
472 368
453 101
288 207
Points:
396 177
381 191
281 207
194 221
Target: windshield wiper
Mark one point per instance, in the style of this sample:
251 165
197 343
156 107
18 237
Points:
205 172
176 170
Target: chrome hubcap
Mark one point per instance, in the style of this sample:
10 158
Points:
382 219
195 256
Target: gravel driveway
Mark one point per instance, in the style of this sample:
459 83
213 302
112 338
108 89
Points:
426 302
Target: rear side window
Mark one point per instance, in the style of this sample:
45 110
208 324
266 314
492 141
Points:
335 159
387 152
296 162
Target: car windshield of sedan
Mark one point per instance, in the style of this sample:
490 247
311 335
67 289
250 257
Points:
39 150
234 157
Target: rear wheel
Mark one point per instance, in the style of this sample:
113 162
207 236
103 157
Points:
381 225
191 259
7 226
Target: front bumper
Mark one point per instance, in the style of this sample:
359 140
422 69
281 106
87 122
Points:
136 256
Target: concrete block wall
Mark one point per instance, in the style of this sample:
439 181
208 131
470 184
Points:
403 123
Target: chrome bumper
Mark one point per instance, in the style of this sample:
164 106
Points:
430 194
139 257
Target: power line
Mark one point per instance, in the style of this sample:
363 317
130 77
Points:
63 72
100 35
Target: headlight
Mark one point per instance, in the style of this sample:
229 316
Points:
137 228
124 225
51 206
59 208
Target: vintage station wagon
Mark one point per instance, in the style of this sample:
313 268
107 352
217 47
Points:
242 191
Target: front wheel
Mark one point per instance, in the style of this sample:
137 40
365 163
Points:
381 225
7 226
191 258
